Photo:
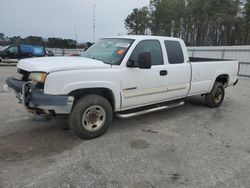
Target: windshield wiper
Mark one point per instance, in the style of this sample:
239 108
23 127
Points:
106 62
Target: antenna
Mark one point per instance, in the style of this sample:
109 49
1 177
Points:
94 20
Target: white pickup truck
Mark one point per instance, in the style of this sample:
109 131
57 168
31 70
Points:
124 76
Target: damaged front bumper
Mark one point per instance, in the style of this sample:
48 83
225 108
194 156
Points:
34 99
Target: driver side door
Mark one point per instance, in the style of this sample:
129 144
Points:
140 87
11 55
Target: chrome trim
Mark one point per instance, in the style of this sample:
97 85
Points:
130 93
129 89
134 114
142 92
176 87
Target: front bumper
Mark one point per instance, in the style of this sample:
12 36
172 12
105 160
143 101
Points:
34 98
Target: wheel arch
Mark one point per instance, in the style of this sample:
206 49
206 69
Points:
222 78
104 92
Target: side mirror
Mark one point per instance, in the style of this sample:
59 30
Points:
131 64
144 60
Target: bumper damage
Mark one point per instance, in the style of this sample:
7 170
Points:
34 99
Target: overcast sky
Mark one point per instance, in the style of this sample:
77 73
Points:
61 18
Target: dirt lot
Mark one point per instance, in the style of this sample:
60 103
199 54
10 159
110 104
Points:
190 146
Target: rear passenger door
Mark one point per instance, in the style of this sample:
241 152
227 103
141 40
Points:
26 51
179 70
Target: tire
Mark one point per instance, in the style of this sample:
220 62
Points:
216 97
91 116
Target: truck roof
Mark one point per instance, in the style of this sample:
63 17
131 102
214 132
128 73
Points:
141 37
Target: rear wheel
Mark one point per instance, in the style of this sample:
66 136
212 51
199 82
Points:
91 116
216 97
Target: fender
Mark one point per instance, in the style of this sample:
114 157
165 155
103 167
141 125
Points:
215 76
68 88
73 86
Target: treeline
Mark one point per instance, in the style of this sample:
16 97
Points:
35 40
197 22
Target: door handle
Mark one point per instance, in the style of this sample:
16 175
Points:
163 73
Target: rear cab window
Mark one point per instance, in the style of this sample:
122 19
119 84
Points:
174 52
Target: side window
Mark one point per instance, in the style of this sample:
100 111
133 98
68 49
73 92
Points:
39 51
26 49
12 50
152 46
174 51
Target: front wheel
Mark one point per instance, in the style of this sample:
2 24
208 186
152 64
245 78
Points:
91 116
216 97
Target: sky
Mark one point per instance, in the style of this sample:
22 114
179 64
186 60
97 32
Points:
65 18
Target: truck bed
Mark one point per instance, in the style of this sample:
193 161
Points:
205 70
202 59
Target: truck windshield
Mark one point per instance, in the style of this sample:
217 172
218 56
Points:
110 51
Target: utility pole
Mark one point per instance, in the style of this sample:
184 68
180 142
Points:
76 35
94 20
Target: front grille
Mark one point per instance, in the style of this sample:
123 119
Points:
25 74
25 77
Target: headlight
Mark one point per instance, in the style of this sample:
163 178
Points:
38 77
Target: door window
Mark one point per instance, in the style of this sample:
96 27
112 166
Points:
26 49
152 46
12 50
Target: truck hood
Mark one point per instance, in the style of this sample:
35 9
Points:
52 64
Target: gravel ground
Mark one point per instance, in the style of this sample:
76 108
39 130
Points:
190 146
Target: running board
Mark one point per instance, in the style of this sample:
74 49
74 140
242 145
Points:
150 110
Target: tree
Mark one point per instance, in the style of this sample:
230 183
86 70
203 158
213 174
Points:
198 22
167 17
61 43
247 11
138 21
33 40
247 21
1 36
